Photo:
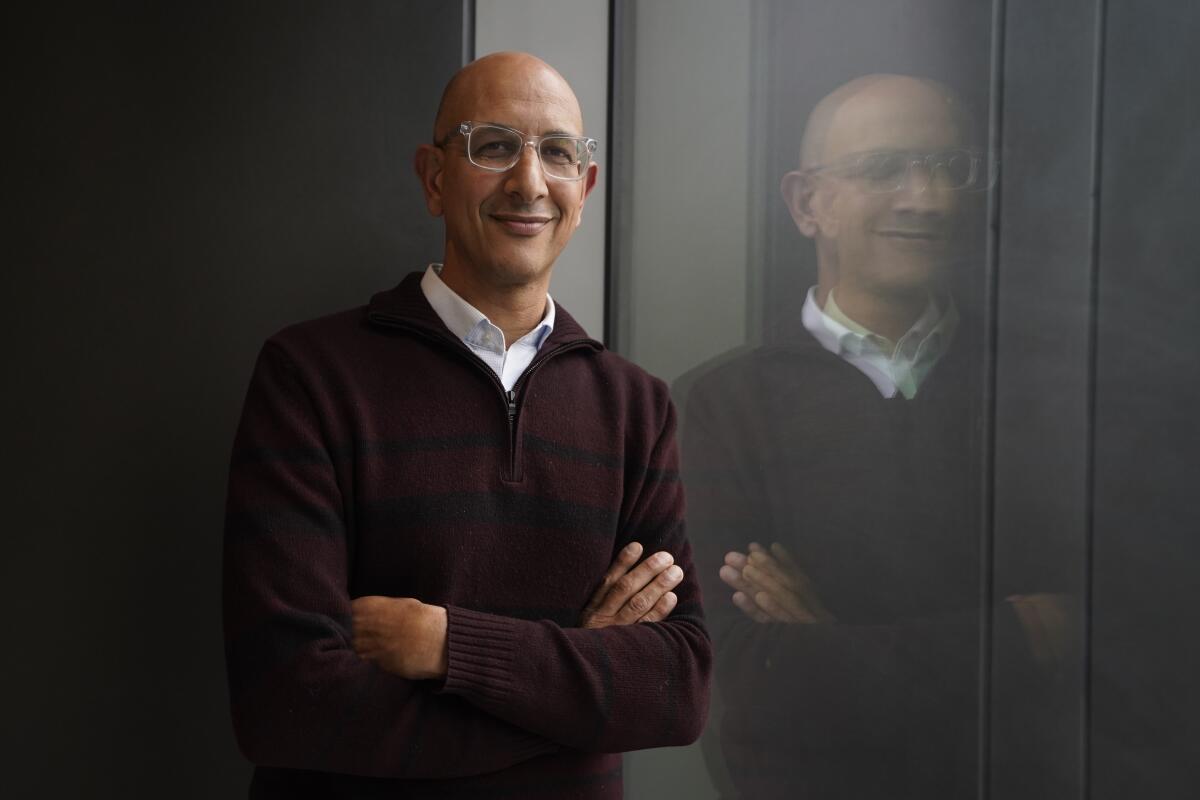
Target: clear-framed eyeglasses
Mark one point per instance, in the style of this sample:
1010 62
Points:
497 148
887 171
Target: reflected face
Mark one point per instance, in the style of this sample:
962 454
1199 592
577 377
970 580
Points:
886 215
507 228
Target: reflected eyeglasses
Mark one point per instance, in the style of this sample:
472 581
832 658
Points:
497 148
887 171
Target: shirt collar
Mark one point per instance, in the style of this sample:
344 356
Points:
928 337
469 323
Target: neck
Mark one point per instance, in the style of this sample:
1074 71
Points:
515 309
889 315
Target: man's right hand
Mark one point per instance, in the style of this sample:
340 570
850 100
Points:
630 593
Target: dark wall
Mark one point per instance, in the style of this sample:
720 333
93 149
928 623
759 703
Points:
186 179
1096 436
1145 710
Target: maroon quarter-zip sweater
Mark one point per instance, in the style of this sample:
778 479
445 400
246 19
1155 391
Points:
377 455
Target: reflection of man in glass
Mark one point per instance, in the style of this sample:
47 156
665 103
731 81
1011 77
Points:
847 443
880 192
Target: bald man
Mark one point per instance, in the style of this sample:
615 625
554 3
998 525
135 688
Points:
833 473
439 503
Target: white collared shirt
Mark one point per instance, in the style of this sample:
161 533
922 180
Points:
479 334
899 367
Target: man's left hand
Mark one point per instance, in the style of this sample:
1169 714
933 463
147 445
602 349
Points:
402 635
629 594
771 587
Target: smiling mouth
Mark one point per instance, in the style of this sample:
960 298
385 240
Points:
921 236
522 225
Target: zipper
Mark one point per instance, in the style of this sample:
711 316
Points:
512 433
510 397
514 472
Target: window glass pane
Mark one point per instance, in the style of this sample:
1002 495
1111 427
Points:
804 257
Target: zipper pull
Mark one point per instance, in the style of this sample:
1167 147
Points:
512 405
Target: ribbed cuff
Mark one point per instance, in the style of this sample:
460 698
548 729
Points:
481 649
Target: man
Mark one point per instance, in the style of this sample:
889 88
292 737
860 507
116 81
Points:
426 495
835 475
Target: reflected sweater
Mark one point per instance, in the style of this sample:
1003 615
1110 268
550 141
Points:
877 499
377 455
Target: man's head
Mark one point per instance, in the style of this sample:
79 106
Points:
879 187
503 228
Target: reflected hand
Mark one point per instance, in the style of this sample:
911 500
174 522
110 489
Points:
401 635
771 587
1046 620
629 594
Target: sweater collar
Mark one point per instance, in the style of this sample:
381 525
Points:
406 305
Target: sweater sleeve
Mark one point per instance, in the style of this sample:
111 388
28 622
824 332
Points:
608 690
301 697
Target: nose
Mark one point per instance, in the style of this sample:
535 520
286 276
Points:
526 180
923 191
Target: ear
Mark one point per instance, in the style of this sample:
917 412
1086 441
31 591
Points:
428 163
800 192
589 183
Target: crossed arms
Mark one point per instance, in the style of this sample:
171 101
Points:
395 687
406 637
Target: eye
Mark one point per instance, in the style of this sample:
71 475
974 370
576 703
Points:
881 167
496 149
493 144
559 151
960 168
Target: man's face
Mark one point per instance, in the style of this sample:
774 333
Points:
889 241
507 228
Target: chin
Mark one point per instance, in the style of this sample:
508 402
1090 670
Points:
907 283
520 271
910 275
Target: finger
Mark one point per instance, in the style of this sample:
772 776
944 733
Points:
362 609
1053 612
662 609
625 559
789 564
642 602
748 607
1054 623
366 602
735 559
763 560
363 641
760 579
780 612
800 581
733 578
786 560
1032 624
783 596
632 582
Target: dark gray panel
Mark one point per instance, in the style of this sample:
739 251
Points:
188 178
1145 653
1042 386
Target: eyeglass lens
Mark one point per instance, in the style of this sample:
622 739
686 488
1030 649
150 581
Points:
890 172
499 149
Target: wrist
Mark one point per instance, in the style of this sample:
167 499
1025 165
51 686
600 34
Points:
437 626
